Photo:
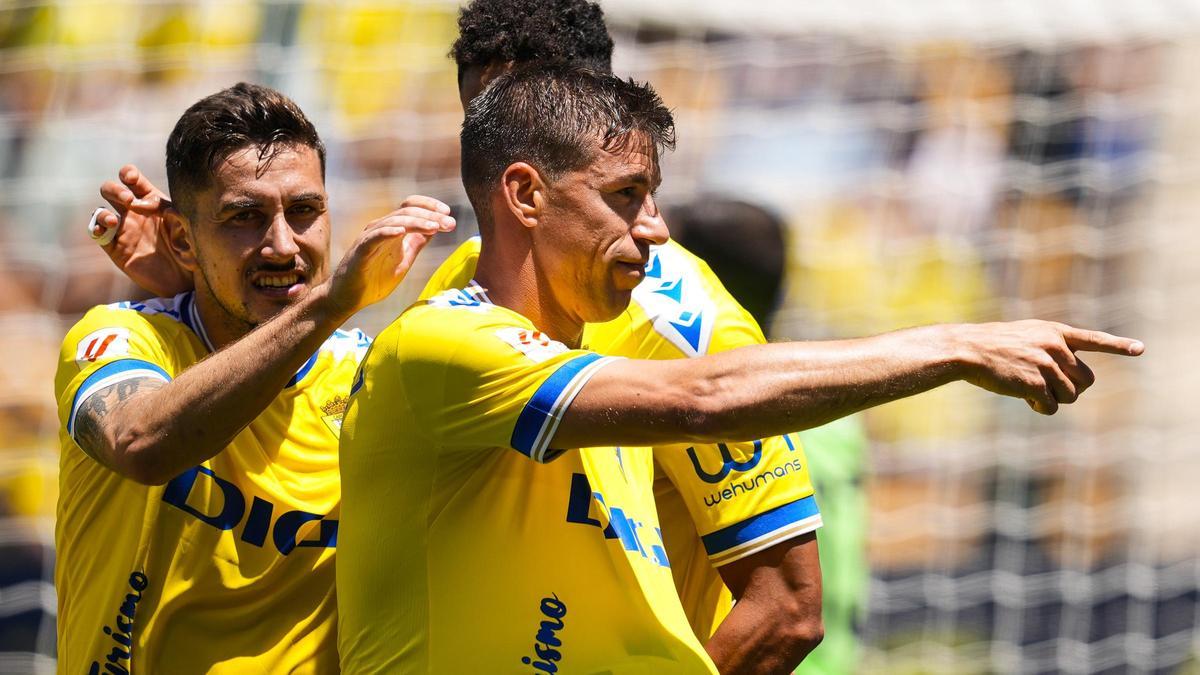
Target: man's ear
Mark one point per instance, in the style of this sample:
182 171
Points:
524 193
179 238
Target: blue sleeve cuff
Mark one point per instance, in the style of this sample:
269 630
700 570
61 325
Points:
539 420
108 375
762 531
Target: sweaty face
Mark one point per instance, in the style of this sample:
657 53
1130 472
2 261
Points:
261 236
599 223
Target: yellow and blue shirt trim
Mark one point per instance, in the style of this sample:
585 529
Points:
762 531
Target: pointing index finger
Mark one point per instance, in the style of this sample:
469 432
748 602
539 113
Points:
1079 339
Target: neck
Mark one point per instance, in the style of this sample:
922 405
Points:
219 327
512 280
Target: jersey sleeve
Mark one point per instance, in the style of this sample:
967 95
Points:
477 378
742 497
108 346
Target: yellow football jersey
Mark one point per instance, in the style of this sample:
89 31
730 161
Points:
465 549
228 568
739 497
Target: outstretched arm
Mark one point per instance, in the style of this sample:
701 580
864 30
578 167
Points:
149 430
778 388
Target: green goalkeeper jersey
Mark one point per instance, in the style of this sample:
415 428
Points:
836 456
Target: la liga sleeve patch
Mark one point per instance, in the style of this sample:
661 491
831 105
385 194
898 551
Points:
535 345
106 343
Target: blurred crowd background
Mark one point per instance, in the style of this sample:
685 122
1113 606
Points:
931 161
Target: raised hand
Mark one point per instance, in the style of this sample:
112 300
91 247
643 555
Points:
1037 360
382 255
140 248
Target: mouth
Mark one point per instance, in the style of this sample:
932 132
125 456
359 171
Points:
279 285
631 270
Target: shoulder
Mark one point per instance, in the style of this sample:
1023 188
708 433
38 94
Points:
457 324
454 314
107 330
346 343
141 312
677 298
123 340
688 305
174 308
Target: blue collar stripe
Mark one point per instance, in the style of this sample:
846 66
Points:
308 365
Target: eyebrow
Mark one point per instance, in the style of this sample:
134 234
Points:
251 203
239 204
640 178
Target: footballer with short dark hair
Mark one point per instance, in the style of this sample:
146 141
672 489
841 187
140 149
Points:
199 490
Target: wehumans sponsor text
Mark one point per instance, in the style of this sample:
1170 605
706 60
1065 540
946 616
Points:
749 483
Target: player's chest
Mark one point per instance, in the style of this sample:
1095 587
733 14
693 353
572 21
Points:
276 488
614 493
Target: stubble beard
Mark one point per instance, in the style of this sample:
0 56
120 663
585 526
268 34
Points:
238 321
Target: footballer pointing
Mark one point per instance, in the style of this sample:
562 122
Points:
759 545
498 511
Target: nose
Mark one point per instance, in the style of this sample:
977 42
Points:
650 225
280 243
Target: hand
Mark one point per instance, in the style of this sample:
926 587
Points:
378 260
140 249
1037 360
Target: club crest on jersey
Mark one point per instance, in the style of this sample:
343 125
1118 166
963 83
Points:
331 412
106 342
534 344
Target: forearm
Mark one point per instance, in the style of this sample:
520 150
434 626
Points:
751 640
757 391
776 621
153 436
762 391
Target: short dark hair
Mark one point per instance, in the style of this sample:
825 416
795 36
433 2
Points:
525 31
551 116
743 243
216 126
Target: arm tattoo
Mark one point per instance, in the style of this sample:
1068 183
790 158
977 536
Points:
90 419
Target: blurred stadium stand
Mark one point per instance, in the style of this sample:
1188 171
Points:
935 161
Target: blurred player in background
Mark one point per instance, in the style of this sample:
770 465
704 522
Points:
746 248
463 389
199 469
680 311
